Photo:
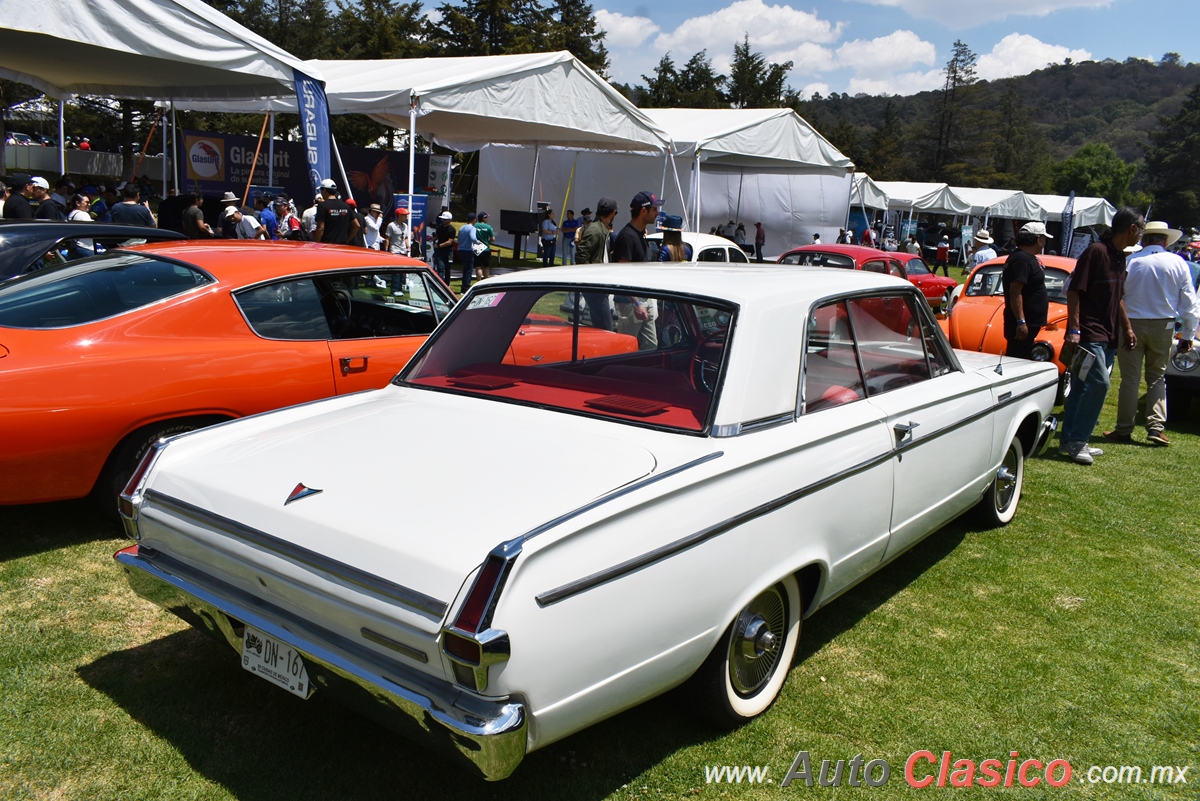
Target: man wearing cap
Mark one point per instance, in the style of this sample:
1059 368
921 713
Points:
1096 322
816 240
1026 301
942 255
445 240
243 225
631 243
336 223
17 206
396 237
1158 288
289 224
467 240
46 208
984 250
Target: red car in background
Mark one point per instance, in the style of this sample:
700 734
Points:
936 289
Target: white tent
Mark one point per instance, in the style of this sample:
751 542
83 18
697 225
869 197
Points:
867 193
1087 210
751 165
917 197
1005 203
138 49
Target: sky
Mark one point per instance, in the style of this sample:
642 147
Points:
893 47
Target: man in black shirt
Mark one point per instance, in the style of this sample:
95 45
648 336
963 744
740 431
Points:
335 223
631 244
17 206
1026 301
47 209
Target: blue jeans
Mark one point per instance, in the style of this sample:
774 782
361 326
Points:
568 256
1087 397
548 247
441 263
466 259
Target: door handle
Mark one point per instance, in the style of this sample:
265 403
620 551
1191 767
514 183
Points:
347 364
904 430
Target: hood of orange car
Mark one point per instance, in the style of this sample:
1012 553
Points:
970 320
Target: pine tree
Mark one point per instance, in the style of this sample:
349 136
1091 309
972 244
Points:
574 29
491 28
1173 164
884 159
661 90
753 82
949 123
699 84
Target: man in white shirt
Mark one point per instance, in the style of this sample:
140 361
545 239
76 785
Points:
983 249
372 222
308 220
1158 288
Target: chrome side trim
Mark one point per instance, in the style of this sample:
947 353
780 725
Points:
603 499
488 736
396 592
388 642
616 571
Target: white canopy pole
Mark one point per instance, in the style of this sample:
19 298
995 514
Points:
174 147
537 152
696 195
412 163
679 189
341 167
62 147
662 187
165 141
271 153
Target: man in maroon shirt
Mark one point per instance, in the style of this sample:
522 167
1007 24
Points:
1096 322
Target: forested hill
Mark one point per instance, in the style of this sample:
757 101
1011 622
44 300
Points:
1041 119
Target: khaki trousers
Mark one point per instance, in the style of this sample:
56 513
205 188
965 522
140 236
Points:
1153 348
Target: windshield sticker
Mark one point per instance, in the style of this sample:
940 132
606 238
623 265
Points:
485 301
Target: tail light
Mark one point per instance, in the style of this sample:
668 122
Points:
130 499
470 643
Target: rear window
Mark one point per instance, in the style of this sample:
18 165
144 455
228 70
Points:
809 258
989 281
642 359
93 289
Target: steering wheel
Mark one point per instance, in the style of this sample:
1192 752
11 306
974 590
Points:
706 362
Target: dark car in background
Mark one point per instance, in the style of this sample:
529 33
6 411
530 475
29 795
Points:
27 247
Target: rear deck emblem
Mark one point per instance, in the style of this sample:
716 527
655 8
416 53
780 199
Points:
301 491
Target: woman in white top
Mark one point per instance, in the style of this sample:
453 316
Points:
79 209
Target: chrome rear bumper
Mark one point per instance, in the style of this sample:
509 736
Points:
489 737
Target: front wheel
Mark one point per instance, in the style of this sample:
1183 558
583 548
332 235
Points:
746 669
999 504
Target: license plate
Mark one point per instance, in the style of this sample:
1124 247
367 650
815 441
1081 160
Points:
275 661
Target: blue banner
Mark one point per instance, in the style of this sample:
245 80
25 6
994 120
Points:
1068 224
314 127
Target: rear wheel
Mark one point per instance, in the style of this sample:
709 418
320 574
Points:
126 456
999 504
743 675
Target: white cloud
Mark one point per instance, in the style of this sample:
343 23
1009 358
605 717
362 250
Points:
906 83
956 14
885 55
811 89
1020 53
807 58
776 31
625 32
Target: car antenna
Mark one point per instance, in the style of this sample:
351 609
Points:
1000 364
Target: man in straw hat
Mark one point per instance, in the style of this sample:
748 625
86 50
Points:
983 249
1158 289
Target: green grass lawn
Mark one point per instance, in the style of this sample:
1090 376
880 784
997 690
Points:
1072 633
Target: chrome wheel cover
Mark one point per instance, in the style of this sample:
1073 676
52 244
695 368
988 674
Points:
756 642
1006 481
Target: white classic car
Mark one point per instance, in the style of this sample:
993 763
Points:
649 500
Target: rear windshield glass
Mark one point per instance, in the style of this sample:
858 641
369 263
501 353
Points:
988 281
815 259
643 359
93 289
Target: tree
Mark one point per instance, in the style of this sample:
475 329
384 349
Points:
661 90
491 28
699 84
753 82
1095 171
1173 164
884 158
845 137
950 123
575 30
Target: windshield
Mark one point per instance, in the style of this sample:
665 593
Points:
988 281
649 359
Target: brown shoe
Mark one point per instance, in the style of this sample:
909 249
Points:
1117 436
1158 438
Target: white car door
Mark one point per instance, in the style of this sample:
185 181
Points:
939 417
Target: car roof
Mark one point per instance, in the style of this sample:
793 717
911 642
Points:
743 284
56 228
857 252
1061 262
698 240
248 262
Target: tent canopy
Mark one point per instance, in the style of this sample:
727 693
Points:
932 197
1006 203
139 49
466 102
1087 211
769 137
867 193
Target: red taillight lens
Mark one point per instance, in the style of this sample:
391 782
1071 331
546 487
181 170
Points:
476 605
461 647
126 501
